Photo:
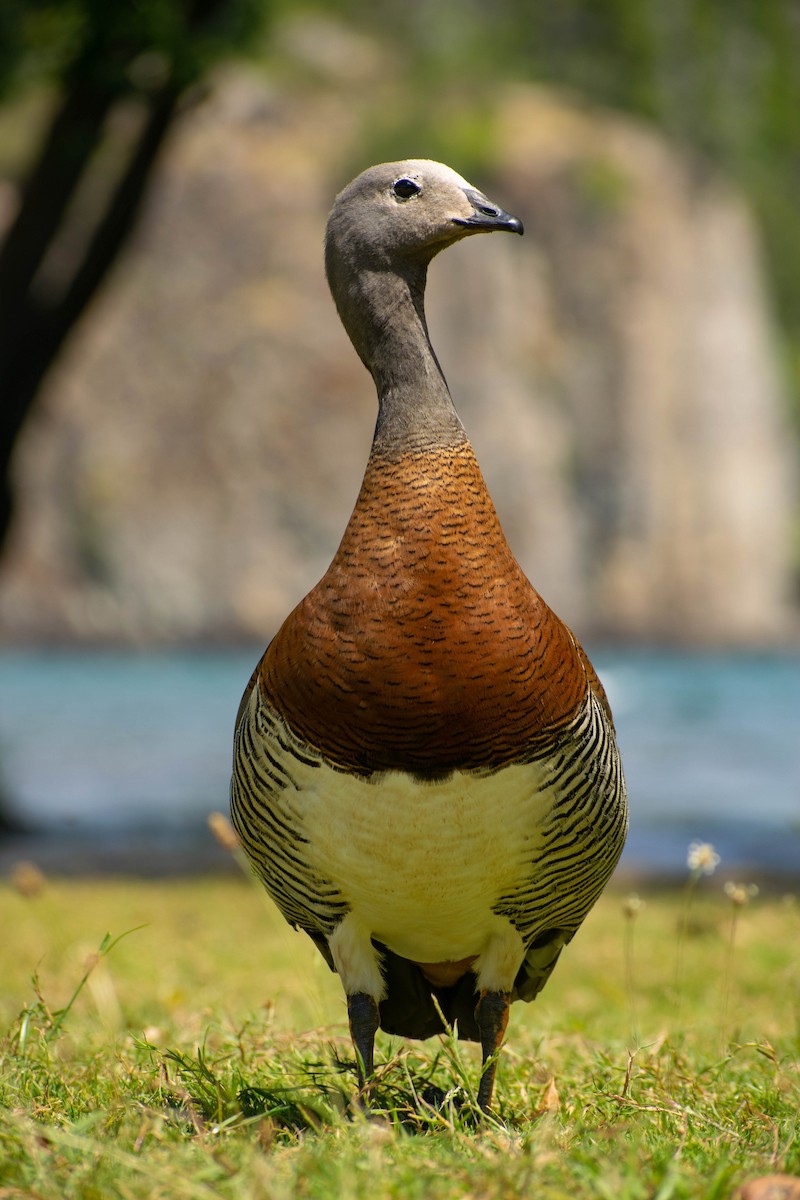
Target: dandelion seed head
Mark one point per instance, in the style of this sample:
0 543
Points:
632 905
702 858
740 893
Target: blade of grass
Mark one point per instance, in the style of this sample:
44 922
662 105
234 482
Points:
106 946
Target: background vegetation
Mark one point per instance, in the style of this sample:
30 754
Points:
719 78
101 83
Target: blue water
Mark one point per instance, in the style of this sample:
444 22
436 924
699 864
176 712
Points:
120 744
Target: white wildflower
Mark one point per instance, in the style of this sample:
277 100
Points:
632 905
702 858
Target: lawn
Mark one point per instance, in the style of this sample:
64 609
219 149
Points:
205 1054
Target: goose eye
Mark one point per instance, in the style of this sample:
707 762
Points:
404 189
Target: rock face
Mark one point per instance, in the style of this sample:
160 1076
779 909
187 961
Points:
201 443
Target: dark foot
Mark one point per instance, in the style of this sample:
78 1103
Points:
491 1015
362 1012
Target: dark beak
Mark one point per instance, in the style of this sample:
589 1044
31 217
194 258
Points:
487 217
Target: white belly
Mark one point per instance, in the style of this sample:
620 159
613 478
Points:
422 864
474 866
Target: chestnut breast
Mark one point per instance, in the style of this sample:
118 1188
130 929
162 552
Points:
424 648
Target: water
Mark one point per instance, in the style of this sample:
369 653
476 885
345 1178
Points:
129 752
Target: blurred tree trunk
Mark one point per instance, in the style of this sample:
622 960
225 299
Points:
37 312
117 97
81 199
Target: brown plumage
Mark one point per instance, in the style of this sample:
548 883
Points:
358 670
425 770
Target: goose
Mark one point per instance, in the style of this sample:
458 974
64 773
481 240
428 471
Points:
425 772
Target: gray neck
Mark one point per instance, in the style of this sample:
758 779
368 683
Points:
383 313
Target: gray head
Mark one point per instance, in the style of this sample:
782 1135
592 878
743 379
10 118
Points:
403 212
383 230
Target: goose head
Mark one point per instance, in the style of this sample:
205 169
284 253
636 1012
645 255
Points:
399 213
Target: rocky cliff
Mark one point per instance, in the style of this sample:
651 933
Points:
199 447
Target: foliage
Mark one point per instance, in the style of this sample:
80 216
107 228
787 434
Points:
721 79
169 1076
94 40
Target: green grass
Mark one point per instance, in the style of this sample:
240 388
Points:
205 1054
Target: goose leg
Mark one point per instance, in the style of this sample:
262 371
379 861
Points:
491 1015
364 1018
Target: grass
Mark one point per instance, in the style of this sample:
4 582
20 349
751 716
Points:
205 1054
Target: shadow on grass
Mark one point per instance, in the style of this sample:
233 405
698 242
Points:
303 1093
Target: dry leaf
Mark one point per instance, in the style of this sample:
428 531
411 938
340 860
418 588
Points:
770 1187
551 1101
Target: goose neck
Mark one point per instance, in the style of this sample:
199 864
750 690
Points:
384 315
